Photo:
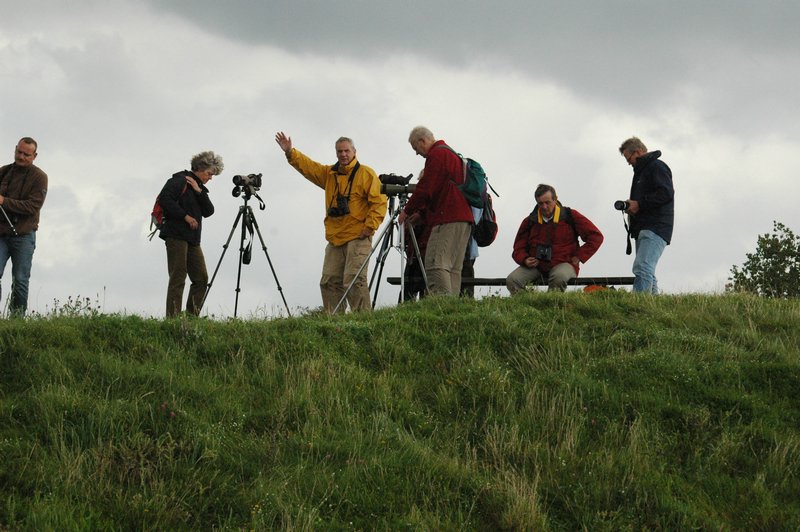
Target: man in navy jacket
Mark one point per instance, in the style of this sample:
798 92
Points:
651 208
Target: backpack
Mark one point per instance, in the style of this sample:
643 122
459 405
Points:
157 215
474 186
485 230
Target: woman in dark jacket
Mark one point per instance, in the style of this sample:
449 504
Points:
185 202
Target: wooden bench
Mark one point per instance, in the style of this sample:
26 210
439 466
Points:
501 281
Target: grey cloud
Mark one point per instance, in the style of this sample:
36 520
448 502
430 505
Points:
630 53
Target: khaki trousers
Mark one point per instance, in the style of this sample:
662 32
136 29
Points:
444 257
183 259
557 277
338 271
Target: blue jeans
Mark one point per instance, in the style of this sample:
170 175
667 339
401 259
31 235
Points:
20 250
649 247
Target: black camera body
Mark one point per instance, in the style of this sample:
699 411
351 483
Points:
249 180
396 185
544 252
246 184
342 207
622 205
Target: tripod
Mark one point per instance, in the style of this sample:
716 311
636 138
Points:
249 223
386 242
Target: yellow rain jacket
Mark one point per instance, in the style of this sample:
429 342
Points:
367 204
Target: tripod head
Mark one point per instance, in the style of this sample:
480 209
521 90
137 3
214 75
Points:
248 186
396 185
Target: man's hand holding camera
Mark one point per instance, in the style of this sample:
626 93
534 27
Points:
544 253
531 262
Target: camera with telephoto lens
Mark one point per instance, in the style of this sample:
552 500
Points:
248 184
395 185
544 252
622 205
342 207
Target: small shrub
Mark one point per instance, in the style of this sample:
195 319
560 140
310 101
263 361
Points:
774 269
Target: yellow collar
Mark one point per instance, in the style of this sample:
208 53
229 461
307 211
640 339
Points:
556 214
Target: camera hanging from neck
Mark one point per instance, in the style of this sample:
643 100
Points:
628 247
336 194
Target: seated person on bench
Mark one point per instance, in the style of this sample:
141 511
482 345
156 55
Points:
546 245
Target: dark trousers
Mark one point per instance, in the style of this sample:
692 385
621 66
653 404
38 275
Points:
414 284
468 272
182 259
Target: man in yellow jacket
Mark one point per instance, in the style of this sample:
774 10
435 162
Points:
354 209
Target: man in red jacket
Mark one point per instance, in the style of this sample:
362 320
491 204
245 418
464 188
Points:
546 245
445 210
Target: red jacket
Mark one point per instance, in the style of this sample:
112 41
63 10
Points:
436 194
558 233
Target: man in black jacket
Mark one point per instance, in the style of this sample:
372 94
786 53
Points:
651 208
185 202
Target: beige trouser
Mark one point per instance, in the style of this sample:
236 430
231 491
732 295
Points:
557 277
444 257
338 271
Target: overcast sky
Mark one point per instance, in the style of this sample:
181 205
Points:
120 95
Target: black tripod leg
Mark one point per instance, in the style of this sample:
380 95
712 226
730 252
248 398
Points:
419 258
386 245
219 262
381 255
246 222
274 275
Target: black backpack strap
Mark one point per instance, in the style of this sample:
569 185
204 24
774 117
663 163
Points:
335 168
350 179
567 217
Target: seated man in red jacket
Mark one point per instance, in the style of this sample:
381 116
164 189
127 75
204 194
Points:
546 245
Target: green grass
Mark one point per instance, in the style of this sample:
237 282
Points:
604 411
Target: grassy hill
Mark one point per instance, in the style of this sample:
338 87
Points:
602 411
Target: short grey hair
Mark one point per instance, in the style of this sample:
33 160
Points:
632 145
420 132
346 139
207 160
